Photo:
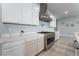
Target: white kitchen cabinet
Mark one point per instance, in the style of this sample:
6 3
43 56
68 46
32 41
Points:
23 46
11 12
53 22
0 50
30 14
13 49
27 13
40 44
31 48
57 36
20 13
35 14
35 46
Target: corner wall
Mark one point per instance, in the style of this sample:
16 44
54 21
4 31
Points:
68 26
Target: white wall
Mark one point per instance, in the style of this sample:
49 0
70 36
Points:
68 30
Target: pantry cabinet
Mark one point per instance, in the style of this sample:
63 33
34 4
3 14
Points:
20 13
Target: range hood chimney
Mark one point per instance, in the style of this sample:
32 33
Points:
43 16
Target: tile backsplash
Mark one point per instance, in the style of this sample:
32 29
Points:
13 28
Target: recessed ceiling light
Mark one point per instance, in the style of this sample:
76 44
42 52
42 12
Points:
66 12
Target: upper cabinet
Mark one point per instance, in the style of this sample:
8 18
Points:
27 13
53 22
30 14
20 13
35 13
11 12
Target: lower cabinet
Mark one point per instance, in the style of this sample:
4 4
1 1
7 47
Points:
57 36
34 47
17 49
40 44
0 50
22 47
31 48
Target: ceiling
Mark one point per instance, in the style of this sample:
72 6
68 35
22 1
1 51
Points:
58 9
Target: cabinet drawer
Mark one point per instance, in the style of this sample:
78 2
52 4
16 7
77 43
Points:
29 43
12 44
14 51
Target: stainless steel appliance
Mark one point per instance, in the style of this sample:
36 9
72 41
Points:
43 14
49 39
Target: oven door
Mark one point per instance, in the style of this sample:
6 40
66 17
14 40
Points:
50 40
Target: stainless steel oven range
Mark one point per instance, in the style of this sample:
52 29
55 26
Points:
49 39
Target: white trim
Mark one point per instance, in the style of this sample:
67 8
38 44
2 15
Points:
66 35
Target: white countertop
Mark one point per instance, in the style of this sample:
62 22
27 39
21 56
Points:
5 38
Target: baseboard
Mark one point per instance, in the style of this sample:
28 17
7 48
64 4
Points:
66 35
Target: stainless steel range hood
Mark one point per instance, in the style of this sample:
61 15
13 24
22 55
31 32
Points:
43 15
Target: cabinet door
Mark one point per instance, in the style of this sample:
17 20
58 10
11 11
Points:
31 48
15 51
56 35
53 22
40 44
0 49
11 12
27 13
35 14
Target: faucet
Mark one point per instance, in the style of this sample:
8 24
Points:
22 31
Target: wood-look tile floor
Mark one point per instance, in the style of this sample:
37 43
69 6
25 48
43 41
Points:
62 47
